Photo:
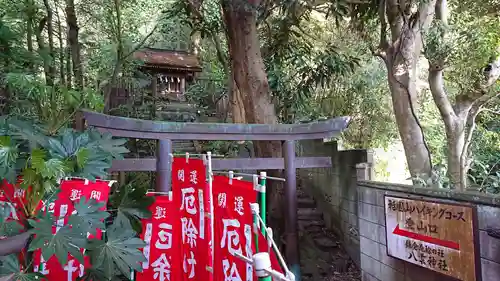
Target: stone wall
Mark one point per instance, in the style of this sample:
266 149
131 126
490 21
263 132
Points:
334 189
377 266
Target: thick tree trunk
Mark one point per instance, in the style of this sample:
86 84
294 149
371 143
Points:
403 94
401 51
74 44
236 100
249 71
251 80
457 172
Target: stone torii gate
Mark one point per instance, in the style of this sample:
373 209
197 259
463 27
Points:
165 132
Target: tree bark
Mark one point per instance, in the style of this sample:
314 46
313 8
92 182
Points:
62 73
401 50
236 99
458 118
43 50
50 36
74 44
248 68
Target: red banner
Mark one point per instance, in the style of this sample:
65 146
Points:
161 235
233 225
13 198
189 188
62 207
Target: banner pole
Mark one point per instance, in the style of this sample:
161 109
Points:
211 199
262 203
262 196
256 222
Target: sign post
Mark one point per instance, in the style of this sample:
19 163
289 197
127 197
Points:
434 235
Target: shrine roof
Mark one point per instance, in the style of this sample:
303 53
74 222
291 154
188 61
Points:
168 59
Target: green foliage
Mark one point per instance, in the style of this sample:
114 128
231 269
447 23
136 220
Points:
43 160
364 96
120 251
9 266
131 204
8 227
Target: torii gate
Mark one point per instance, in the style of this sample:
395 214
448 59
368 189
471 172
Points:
165 132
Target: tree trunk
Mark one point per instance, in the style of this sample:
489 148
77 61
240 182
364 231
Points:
43 51
403 94
50 36
457 172
251 79
29 31
74 44
401 51
236 101
62 73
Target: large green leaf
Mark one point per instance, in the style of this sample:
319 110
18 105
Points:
95 169
133 204
9 266
8 158
66 240
106 143
52 168
120 251
8 227
96 274
88 217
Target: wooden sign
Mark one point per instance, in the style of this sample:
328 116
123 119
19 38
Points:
433 235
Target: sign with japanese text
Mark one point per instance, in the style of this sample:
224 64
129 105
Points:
189 186
162 237
434 235
62 207
233 224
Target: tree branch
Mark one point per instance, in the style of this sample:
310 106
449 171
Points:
383 43
490 111
436 85
141 43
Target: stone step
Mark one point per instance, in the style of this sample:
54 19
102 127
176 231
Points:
307 225
306 203
325 242
309 213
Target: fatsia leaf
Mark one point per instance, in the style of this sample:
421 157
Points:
66 240
8 227
120 251
57 149
114 147
52 168
82 157
9 266
94 169
133 204
8 158
88 217
96 274
8 151
93 274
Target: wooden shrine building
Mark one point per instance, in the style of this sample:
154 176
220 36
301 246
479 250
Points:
171 72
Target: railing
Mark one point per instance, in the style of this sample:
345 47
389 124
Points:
165 132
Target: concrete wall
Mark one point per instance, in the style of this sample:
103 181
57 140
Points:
334 189
377 266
